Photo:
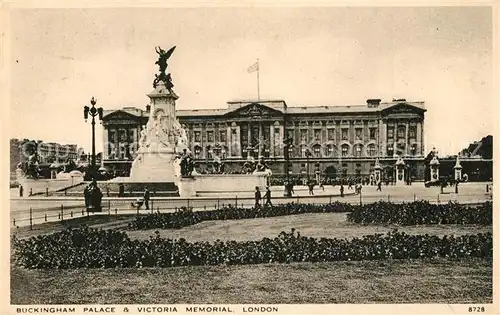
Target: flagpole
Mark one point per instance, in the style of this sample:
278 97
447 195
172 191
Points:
258 85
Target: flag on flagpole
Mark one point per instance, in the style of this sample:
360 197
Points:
253 67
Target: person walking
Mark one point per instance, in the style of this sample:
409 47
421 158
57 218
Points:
146 197
121 190
257 197
310 184
268 197
379 185
341 190
322 185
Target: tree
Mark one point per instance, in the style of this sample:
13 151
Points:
482 148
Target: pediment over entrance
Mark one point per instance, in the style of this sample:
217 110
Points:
120 115
404 109
254 110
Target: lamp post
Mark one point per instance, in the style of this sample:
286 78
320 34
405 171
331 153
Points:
93 112
308 155
288 186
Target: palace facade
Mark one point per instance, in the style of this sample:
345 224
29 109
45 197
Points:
335 141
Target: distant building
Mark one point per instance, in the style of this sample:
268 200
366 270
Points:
48 152
343 140
52 152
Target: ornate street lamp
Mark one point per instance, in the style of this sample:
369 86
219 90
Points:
93 112
308 155
288 186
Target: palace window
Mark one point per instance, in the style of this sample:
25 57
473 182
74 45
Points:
401 132
254 135
357 151
266 152
111 136
317 150
359 133
373 133
197 152
223 136
345 150
331 134
390 150
412 132
209 152
345 135
217 152
197 136
330 151
210 136
372 150
122 135
413 149
303 134
317 134
390 132
400 148
303 151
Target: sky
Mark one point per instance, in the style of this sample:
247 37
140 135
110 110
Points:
60 58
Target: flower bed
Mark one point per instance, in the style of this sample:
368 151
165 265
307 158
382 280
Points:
418 212
422 212
185 217
92 248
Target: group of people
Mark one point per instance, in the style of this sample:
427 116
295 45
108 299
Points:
258 197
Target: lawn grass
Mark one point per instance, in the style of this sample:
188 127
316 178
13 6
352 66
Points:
310 224
95 221
405 281
387 281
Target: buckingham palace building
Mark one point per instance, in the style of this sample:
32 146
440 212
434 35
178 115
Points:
334 141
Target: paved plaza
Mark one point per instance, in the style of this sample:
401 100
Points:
46 209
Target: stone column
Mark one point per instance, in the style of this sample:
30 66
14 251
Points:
229 140
366 133
271 140
127 145
419 138
351 133
407 143
382 138
249 132
280 140
422 139
203 143
105 143
117 143
238 140
261 139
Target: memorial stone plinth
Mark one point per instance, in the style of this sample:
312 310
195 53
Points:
160 140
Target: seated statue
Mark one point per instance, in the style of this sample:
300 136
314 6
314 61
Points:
30 168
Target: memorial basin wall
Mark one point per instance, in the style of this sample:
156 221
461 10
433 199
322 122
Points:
217 184
38 186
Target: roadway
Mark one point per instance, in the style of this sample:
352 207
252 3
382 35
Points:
45 209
